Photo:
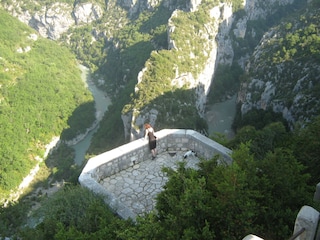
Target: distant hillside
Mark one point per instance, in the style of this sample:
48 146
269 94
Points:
40 89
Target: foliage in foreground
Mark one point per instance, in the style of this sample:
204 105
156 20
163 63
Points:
76 213
228 202
258 193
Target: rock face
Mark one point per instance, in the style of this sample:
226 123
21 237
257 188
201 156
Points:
219 33
281 79
256 9
136 6
86 13
200 83
53 20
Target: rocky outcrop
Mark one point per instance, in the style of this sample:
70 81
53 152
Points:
200 83
225 52
137 6
51 21
220 43
86 13
283 79
256 9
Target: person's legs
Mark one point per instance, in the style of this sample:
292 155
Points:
153 148
153 152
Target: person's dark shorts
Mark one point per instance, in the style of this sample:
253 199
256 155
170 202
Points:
152 144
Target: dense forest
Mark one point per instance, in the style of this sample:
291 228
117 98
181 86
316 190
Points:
41 94
273 174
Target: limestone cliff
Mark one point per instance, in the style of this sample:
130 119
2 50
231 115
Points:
218 46
52 20
198 81
284 71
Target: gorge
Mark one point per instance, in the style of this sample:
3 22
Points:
157 61
102 101
227 35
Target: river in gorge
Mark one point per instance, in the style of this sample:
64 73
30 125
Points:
219 116
102 101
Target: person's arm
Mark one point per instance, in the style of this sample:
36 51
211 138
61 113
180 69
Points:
146 134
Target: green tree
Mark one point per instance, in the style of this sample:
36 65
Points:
282 183
75 213
262 141
307 149
220 201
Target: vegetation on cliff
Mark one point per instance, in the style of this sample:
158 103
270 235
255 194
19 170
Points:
283 72
156 89
40 93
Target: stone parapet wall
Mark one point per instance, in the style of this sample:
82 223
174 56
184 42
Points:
184 140
168 140
127 155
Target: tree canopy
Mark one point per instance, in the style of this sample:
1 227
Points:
40 90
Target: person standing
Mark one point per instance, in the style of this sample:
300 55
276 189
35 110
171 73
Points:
149 132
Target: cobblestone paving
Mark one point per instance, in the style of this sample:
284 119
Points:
137 186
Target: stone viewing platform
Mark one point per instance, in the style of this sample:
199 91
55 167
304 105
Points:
129 180
136 187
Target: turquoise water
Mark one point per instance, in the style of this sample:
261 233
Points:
102 102
220 116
